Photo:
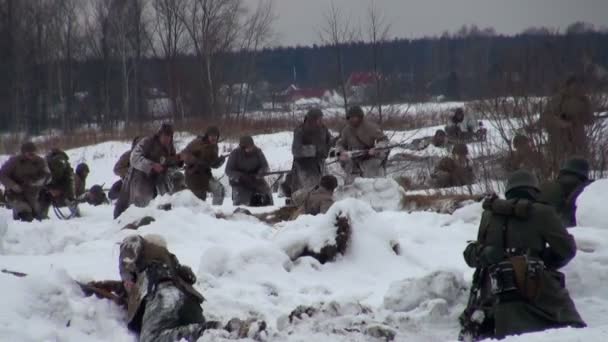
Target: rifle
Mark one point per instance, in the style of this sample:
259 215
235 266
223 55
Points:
108 289
272 173
364 152
474 325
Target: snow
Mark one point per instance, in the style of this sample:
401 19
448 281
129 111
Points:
245 268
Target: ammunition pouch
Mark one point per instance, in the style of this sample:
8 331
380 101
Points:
518 274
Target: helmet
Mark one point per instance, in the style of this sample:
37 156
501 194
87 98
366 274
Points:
578 166
521 179
246 141
313 114
166 129
28 147
213 130
355 111
329 182
82 168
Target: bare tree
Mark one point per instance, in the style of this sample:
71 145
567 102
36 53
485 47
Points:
378 29
213 27
170 40
337 32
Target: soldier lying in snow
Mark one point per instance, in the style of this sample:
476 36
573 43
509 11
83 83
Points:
162 304
317 200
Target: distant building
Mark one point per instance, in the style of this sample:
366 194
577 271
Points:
360 86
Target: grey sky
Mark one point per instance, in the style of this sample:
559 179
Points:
298 21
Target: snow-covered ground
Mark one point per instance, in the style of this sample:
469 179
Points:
244 267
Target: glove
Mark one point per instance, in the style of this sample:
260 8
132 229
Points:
344 155
186 273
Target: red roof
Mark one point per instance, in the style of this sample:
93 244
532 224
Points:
361 78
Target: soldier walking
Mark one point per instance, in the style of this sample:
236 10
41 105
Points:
200 156
23 176
310 148
148 174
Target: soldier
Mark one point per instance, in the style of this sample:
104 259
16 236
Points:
59 192
95 196
200 156
565 118
310 147
246 168
562 193
460 128
363 136
317 200
23 176
148 174
454 171
121 168
520 247
523 155
162 304
80 179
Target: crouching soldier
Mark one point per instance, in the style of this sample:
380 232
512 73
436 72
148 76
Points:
357 147
162 304
200 156
246 168
317 200
563 192
23 176
148 174
59 192
454 171
517 288
310 147
121 168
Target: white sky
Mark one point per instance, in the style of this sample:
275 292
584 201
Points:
298 21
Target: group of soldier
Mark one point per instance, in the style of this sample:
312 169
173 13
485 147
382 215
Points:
521 245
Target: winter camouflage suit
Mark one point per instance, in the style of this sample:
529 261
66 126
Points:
200 156
520 247
162 304
310 147
246 170
565 118
23 176
121 169
142 183
361 134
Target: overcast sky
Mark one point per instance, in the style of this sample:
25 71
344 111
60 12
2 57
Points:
298 21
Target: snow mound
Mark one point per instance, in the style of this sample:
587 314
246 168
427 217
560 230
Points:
439 290
381 193
3 230
591 209
315 232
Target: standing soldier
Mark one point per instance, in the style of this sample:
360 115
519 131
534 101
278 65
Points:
520 247
310 147
317 200
562 193
162 304
565 118
80 179
148 174
246 168
23 176
363 136
121 168
200 156
59 192
454 171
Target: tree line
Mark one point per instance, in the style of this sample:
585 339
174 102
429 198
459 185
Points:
66 63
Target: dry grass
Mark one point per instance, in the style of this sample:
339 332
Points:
440 203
